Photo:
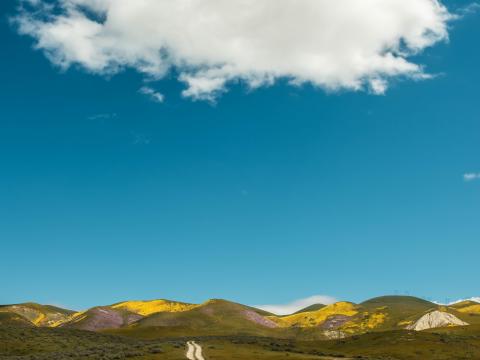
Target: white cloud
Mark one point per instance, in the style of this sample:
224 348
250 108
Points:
290 308
474 299
152 94
471 176
332 44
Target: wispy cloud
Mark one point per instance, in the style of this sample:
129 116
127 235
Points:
294 306
103 116
140 139
152 94
474 299
471 176
469 9
335 45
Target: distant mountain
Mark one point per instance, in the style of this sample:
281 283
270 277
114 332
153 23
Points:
39 315
221 317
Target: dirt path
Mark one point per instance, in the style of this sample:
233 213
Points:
194 351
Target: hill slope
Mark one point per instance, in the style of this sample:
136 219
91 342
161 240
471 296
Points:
314 318
148 307
310 308
39 315
344 318
101 318
215 317
10 319
397 311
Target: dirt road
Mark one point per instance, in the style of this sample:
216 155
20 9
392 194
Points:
194 351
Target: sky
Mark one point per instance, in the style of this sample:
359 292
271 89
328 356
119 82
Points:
259 158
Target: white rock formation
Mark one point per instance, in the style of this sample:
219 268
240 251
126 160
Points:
436 319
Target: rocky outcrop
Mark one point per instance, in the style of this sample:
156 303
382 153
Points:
436 319
335 321
334 334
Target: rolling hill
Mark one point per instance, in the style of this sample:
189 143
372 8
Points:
39 315
314 318
214 317
379 328
221 317
468 307
101 318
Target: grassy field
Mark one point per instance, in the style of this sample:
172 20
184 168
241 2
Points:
49 344
58 344
392 345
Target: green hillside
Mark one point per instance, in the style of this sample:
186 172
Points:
59 343
399 303
215 317
13 320
313 307
399 311
471 330
390 345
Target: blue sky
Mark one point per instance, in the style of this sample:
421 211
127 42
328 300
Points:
263 197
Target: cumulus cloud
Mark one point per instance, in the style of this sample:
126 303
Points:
471 176
152 94
294 306
331 44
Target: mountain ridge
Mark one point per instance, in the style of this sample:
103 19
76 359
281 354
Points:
218 316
